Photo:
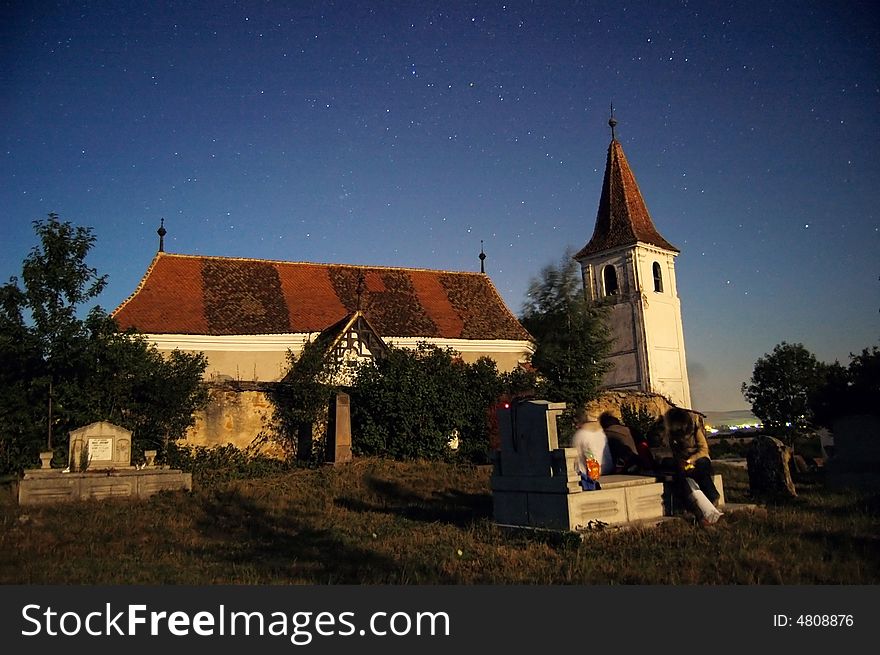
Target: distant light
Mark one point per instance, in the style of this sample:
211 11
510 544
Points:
506 405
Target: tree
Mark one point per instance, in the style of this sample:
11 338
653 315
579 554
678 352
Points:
413 404
573 341
781 387
848 390
59 371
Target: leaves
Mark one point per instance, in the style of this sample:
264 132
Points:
780 389
411 403
572 339
94 371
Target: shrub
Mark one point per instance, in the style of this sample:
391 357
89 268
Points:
222 463
639 420
412 404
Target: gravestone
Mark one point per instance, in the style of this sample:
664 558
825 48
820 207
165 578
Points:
101 445
99 467
768 462
339 429
536 484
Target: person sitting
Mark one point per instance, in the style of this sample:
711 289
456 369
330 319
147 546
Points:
690 452
621 443
591 443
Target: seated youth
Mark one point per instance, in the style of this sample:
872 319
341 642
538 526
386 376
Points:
690 452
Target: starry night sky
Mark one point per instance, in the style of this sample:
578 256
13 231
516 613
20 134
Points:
402 134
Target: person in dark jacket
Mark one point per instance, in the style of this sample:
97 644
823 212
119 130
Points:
622 444
690 451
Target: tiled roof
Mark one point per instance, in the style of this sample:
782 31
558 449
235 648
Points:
188 294
623 218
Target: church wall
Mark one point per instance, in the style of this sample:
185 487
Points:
239 407
249 366
233 416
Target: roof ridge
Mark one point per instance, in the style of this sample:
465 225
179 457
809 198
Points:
304 263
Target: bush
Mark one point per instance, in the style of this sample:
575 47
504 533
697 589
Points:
222 463
412 404
639 420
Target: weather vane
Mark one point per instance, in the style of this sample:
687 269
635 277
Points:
612 122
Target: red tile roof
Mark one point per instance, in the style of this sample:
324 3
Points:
189 294
623 218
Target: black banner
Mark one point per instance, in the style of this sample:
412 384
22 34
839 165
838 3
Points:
431 619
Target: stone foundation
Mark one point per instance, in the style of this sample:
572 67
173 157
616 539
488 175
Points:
622 499
40 487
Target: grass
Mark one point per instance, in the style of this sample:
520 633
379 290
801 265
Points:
383 522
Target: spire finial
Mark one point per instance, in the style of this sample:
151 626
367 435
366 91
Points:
612 122
482 258
162 232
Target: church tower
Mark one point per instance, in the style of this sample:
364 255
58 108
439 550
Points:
630 266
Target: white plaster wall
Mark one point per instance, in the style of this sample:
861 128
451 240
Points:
648 350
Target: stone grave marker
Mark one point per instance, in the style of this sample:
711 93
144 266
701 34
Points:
339 429
101 445
768 461
535 483
100 467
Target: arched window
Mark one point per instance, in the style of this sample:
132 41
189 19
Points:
609 277
658 278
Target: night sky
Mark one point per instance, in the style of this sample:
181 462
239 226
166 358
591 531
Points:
402 134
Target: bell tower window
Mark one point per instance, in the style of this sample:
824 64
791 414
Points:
609 278
658 278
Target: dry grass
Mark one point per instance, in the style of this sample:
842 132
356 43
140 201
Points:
382 522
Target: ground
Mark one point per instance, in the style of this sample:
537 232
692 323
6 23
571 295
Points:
381 522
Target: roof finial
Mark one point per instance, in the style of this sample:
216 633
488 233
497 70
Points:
361 287
482 258
612 122
162 232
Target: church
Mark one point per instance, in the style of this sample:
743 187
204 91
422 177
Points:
628 265
246 314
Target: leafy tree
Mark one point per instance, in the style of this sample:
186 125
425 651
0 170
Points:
573 341
848 390
412 404
81 368
864 376
781 387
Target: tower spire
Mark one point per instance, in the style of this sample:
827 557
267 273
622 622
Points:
162 232
623 218
482 258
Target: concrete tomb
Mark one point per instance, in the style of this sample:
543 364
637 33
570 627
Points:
535 483
99 467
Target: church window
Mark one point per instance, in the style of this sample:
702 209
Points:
658 278
609 277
